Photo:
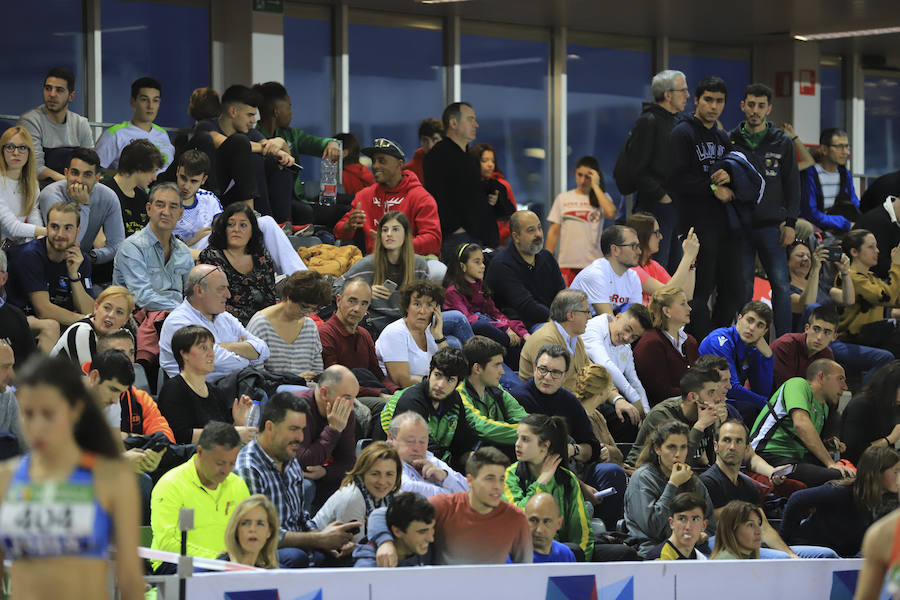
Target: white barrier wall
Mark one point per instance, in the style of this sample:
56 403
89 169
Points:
693 580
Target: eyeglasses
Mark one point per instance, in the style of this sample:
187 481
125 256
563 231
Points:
199 281
635 246
683 90
553 373
582 311
13 148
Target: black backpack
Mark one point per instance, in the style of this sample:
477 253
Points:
626 179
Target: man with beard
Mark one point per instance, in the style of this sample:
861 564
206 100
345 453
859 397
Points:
269 466
51 277
54 128
772 151
434 398
99 205
524 276
609 282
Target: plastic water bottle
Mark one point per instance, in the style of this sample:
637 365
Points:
253 415
328 188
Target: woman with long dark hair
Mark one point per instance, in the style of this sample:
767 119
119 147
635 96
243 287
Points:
872 417
541 449
662 473
236 247
495 186
577 219
844 509
68 501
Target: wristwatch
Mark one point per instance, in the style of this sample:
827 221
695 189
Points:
93 256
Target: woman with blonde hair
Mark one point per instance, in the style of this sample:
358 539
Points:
370 484
112 309
251 537
20 218
664 353
739 532
594 388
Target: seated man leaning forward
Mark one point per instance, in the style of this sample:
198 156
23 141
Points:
204 304
789 428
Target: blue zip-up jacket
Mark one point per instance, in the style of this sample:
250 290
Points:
745 364
812 205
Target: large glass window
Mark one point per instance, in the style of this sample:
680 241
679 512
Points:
882 123
395 77
38 37
307 77
166 41
506 81
832 98
730 63
606 86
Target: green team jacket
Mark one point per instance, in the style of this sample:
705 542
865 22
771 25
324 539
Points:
519 487
494 419
442 423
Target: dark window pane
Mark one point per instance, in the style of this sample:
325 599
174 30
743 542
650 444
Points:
505 80
882 124
40 35
165 41
735 72
606 88
395 82
832 112
307 77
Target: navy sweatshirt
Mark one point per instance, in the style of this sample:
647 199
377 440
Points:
694 149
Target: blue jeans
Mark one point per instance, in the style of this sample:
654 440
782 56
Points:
608 475
860 358
764 241
801 551
457 328
293 558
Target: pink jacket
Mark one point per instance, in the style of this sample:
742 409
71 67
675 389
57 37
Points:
478 303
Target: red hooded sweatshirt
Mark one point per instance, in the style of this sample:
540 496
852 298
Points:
410 198
356 177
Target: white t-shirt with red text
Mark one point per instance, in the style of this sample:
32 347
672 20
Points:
580 227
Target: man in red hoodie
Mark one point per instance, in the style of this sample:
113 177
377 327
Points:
394 189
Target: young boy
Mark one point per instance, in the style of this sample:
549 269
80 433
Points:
687 523
410 518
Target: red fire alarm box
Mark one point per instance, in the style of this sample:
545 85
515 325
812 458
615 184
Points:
807 82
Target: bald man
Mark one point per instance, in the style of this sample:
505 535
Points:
206 291
330 432
9 407
544 520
